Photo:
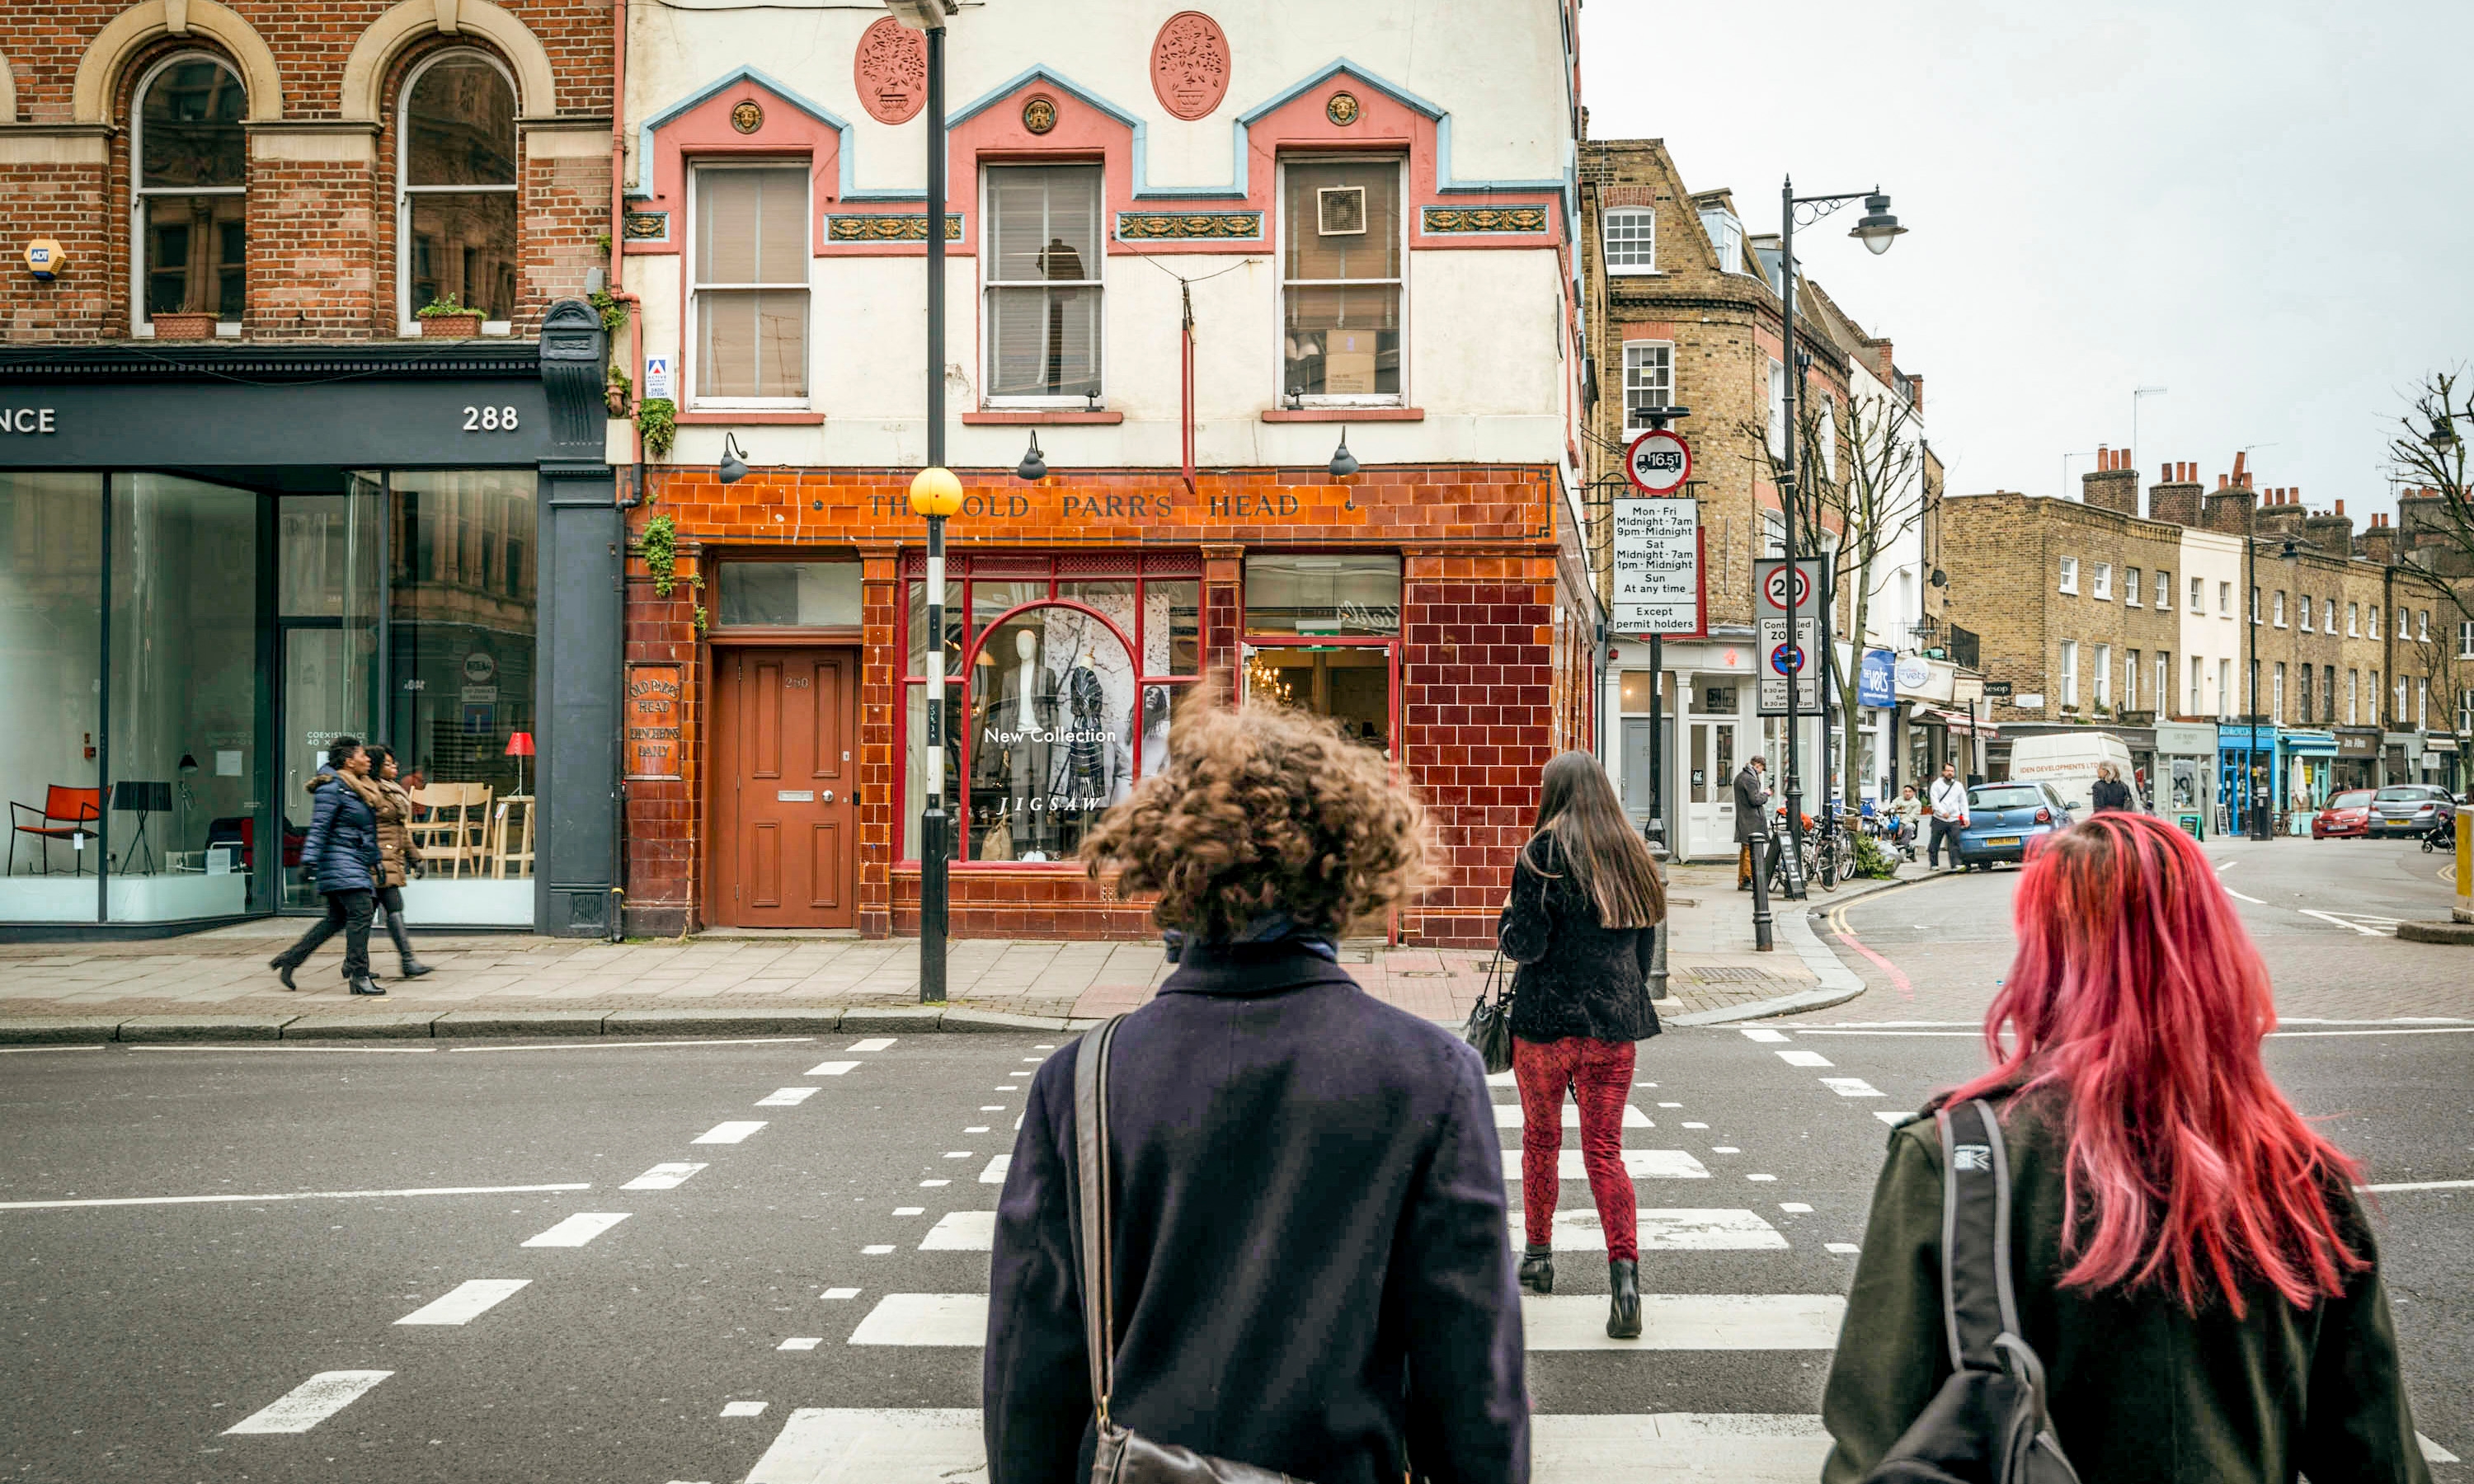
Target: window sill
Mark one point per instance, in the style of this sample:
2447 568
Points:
1344 415
774 417
1006 417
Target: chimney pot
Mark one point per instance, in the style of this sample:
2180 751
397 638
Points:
2222 480
2341 506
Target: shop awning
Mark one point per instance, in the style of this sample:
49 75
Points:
1959 721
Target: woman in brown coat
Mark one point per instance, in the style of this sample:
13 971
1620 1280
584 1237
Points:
398 856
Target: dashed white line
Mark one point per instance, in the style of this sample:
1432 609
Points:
1639 1165
1507 1115
727 1133
1842 1249
287 1195
785 1097
995 1173
911 1210
662 1177
742 1409
312 1403
1851 1086
840 1293
877 1249
1803 1059
577 1229
804 1343
962 1230
872 1044
1796 1208
466 1303
1762 1033
1893 1119
831 1068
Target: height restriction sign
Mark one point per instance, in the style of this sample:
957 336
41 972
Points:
1659 462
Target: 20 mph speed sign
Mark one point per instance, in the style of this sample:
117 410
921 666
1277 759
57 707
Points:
1659 462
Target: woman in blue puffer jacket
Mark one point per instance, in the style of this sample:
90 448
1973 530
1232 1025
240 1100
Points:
341 855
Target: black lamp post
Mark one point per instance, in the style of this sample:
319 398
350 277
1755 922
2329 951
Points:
1877 230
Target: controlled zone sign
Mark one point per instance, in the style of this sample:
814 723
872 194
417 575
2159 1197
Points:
1657 580
1782 659
1659 463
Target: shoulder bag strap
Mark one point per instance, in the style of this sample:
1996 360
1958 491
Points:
1978 1305
1091 1165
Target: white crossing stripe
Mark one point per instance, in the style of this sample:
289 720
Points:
1803 1059
995 1173
726 1133
662 1177
792 1097
1687 1321
872 1044
312 1403
1762 1033
467 1302
1639 1164
943 1319
2432 1452
1851 1086
1666 1230
830 1069
962 1230
868 1446
1893 1119
1507 1115
579 1228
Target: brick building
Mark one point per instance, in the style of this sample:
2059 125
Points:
248 506
1338 238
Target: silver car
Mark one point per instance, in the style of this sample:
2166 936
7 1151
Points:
2407 808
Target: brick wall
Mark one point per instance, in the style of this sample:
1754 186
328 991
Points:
2004 567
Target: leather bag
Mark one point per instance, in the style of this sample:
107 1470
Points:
1124 1455
1489 1021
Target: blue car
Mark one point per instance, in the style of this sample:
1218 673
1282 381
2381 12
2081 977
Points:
2001 818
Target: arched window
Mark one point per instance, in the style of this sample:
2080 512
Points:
455 232
188 208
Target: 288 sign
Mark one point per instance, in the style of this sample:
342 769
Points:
1659 463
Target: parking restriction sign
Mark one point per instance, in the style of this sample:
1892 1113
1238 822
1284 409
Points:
1659 462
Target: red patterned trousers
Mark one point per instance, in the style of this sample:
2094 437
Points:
1599 1074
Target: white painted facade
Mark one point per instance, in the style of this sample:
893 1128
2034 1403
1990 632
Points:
1896 579
2212 630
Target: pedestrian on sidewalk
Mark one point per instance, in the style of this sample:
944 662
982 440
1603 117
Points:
399 854
1306 1187
1583 914
2109 792
1752 799
1949 801
2189 1258
340 856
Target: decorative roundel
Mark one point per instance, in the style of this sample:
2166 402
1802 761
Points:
892 71
1190 64
1040 114
747 116
1342 109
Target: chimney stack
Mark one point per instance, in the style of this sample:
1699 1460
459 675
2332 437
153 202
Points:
2176 496
2332 533
2115 483
2281 516
2380 541
2230 510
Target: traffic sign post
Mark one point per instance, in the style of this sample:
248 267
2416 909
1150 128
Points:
1659 463
1782 660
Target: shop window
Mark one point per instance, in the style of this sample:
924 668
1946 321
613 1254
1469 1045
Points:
1322 595
1341 259
189 206
749 251
1649 380
1639 688
460 198
787 594
1631 239
1043 282
51 669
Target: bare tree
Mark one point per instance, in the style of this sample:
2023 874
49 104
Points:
2429 451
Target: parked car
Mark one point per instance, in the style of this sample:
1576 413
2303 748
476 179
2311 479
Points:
2407 808
2345 816
2067 760
2001 818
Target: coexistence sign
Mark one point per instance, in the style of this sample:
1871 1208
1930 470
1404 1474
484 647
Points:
1658 568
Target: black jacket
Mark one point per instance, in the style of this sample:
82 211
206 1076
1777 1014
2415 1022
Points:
1752 794
2109 793
1576 978
1313 1255
341 850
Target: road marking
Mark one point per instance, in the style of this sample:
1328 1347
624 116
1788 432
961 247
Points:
288 1195
785 1097
1670 1105
886 1446
995 1173
1893 1119
911 1210
312 1403
1696 1125
579 1228
614 1045
88 1047
2402 1030
742 1409
1851 1086
1507 1115
467 1302
1666 1230
1009 1088
727 1133
937 1319
1639 1164
1762 1033
2424 1185
840 1293
662 1177
2432 1452
2356 921
872 1044
930 1184
831 1068
1843 1248
351 1050
1795 1207
1724 1149
981 1128
962 1230
804 1343
876 1249
2239 897
1803 1059
958 1154
1894 1032
1761 1177
1687 1321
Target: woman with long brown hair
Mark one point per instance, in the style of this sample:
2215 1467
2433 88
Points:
1582 921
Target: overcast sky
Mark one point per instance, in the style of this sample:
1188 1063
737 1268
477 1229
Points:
2259 206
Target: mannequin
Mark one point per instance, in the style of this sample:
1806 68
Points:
1086 762
1013 758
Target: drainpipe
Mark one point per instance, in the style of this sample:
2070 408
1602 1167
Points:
634 493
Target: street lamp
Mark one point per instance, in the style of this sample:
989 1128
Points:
2444 433
2255 808
734 459
937 494
1877 230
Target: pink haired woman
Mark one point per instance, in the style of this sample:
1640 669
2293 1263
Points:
2190 1261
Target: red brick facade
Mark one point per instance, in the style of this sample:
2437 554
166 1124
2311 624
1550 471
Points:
1486 639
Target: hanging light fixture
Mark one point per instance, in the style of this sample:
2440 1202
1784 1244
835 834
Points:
734 462
1342 462
2444 433
1032 466
1878 228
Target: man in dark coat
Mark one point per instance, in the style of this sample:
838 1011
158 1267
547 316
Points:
1263 1078
1752 798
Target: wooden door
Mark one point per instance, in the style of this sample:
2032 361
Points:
785 805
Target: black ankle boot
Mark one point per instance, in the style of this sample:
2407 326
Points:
283 971
1538 1270
366 986
413 967
1623 1313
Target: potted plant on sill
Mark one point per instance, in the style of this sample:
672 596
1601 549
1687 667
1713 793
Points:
444 317
184 324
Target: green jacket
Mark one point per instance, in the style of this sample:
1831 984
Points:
2138 1390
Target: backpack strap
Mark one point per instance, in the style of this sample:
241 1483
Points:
1978 1305
1091 1167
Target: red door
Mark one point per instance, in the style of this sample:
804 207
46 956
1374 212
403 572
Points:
787 847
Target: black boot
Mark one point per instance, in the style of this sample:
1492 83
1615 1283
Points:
1623 1315
366 986
1538 1270
283 968
413 967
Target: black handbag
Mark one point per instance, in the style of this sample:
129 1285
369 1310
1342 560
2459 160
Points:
1124 1456
1489 1021
1986 1424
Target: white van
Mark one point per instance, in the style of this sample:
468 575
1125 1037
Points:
2068 759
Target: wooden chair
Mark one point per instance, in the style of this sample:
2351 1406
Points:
511 842
456 829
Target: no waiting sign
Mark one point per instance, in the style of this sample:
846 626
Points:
1659 462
